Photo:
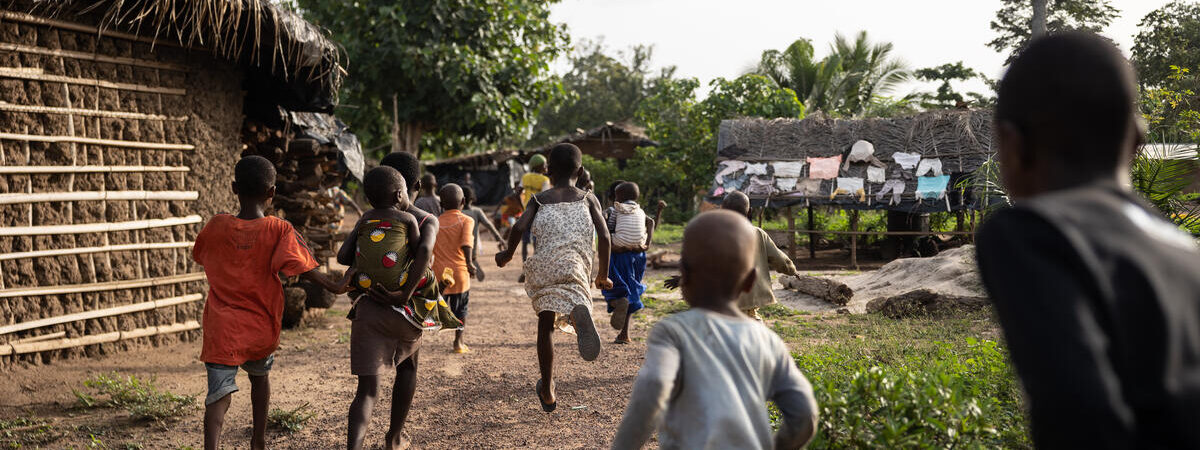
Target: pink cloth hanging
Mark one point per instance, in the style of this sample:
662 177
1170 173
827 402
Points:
824 168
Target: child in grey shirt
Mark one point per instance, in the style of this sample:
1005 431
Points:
709 371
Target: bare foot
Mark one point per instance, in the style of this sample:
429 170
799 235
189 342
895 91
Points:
622 340
460 347
399 441
256 444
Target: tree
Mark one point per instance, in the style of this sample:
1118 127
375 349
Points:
598 88
845 82
1015 23
1167 36
469 69
946 96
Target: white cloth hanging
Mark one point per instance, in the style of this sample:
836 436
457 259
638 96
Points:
875 174
726 168
906 160
788 169
756 169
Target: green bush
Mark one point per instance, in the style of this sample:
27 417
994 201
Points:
292 420
142 399
945 396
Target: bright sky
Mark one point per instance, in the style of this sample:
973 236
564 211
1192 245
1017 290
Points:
707 39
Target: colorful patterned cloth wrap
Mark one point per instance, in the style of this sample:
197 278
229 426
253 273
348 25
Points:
382 256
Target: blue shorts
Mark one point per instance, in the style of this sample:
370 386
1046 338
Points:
221 377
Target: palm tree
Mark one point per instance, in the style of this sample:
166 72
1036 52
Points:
843 82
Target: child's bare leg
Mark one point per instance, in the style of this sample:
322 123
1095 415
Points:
214 419
402 396
260 398
623 336
545 351
458 339
360 410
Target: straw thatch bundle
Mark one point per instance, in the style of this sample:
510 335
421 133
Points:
255 33
958 136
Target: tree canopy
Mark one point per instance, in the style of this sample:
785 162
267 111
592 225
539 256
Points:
946 96
464 69
845 82
1168 36
1014 19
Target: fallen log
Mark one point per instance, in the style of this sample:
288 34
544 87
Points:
822 288
925 303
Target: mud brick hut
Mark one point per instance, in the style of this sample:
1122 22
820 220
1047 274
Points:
120 123
618 141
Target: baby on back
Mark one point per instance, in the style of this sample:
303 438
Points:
385 238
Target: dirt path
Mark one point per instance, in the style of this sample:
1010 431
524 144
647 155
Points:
482 399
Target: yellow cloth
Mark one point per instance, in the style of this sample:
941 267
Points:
531 184
767 257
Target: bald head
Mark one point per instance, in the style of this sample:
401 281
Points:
718 258
452 196
429 182
737 202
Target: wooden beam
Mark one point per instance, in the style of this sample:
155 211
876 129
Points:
39 230
34 347
91 250
94 141
86 56
37 109
81 196
99 313
101 287
37 74
4 170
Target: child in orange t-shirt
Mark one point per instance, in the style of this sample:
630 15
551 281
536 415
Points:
242 256
452 251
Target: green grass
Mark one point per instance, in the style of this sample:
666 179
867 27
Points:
141 398
909 383
27 432
668 233
292 420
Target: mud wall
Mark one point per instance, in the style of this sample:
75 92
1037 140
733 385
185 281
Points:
178 97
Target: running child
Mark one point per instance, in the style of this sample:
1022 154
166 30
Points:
562 220
453 253
243 256
631 231
428 201
531 184
710 370
387 325
480 218
768 257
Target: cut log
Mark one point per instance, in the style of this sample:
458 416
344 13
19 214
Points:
822 288
925 303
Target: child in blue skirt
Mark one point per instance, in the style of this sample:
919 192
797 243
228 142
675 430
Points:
631 232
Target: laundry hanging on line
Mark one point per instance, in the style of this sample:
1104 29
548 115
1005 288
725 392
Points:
726 168
788 169
852 186
929 165
895 186
824 168
932 188
875 174
906 160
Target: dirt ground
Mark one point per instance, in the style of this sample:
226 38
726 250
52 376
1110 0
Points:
484 399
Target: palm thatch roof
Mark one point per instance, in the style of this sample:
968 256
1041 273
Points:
611 140
276 44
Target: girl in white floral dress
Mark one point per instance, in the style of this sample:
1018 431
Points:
563 220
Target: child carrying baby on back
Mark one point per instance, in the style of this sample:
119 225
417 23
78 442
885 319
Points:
631 232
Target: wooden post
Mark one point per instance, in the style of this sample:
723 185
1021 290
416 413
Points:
854 239
791 234
812 237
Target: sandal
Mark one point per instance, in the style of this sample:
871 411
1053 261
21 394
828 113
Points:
620 308
585 333
537 390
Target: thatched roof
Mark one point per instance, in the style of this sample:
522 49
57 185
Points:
958 133
486 160
960 141
276 44
610 140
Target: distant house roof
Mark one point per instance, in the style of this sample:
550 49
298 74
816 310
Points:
483 160
611 140
289 58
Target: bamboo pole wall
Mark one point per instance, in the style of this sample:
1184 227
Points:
96 190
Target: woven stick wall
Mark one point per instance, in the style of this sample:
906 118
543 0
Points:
99 189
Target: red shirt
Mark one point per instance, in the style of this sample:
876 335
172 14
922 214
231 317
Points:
243 259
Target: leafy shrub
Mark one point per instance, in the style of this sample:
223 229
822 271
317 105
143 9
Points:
291 420
963 397
142 399
22 431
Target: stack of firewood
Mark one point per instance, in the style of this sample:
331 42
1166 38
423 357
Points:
305 169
